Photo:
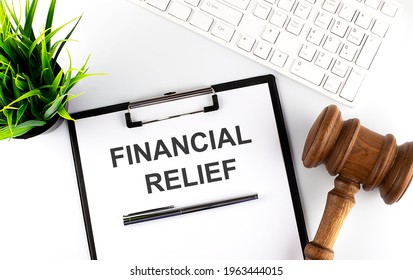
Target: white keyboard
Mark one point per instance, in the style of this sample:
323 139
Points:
327 45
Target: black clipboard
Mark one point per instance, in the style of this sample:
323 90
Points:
130 122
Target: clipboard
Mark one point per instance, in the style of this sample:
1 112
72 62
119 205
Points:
183 148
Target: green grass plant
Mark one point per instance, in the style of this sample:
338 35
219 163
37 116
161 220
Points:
33 87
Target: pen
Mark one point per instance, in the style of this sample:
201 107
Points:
170 211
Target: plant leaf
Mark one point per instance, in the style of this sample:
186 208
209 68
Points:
3 101
14 131
28 25
49 21
72 82
66 38
12 14
24 96
64 114
47 73
20 82
29 82
47 38
57 81
21 111
54 107
31 123
9 117
12 55
70 97
36 107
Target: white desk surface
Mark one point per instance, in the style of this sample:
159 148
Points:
40 212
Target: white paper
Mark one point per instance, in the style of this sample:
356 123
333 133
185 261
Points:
260 229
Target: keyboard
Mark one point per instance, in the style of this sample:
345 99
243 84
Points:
327 45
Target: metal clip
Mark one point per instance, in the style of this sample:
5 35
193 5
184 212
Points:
168 97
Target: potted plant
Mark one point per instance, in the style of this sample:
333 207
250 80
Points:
34 90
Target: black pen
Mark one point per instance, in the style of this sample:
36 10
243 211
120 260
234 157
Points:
170 211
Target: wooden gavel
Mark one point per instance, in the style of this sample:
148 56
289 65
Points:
360 157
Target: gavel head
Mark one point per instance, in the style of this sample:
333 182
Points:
359 154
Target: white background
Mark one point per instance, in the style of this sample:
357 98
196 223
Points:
40 212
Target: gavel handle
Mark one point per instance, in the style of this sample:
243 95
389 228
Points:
340 201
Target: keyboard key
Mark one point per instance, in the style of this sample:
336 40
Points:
332 84
222 11
323 20
323 60
278 18
223 31
340 68
180 11
159 4
294 27
315 36
242 4
373 3
246 43
194 3
380 28
201 21
262 51
286 5
307 72
363 20
307 52
331 6
279 58
389 9
347 12
348 52
262 11
331 44
270 34
368 52
352 85
339 28
356 36
302 10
